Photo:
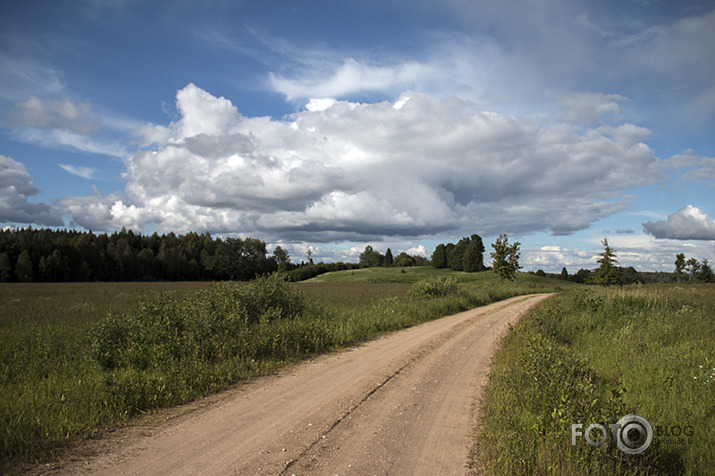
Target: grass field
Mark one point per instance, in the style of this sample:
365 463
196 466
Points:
77 358
592 356
420 273
79 303
393 275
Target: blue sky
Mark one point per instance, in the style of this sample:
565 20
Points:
333 125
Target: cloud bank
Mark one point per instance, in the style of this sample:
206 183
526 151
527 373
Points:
16 187
343 171
688 223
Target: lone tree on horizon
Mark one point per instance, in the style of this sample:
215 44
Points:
506 258
607 273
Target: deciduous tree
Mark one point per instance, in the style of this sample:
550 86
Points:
403 260
679 265
473 260
370 258
693 266
439 256
505 258
282 259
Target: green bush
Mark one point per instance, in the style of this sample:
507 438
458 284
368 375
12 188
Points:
434 287
270 297
211 326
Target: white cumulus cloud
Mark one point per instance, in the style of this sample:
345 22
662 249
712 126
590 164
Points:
359 172
689 223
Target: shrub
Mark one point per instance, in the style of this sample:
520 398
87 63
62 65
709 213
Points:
211 326
434 287
270 297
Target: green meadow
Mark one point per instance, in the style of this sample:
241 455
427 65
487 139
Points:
79 358
592 356
420 273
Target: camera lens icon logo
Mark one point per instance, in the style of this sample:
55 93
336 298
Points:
634 434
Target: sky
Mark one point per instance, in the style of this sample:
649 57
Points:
331 125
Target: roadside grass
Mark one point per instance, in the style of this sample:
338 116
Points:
69 368
594 355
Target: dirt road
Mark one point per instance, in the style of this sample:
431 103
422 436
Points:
401 404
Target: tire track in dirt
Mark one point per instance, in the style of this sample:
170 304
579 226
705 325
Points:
404 403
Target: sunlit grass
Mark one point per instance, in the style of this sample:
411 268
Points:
77 358
594 355
419 273
351 294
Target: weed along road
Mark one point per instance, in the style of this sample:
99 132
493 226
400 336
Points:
401 404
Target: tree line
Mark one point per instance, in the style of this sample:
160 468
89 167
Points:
466 255
608 273
695 269
370 258
44 255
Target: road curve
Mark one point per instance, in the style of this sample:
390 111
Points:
401 404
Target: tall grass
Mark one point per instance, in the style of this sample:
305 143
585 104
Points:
593 356
64 379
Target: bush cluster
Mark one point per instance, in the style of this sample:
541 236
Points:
211 326
434 287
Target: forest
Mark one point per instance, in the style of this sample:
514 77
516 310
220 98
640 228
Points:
44 255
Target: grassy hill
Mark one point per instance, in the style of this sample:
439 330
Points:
419 273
